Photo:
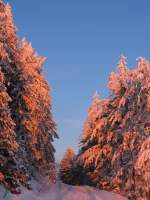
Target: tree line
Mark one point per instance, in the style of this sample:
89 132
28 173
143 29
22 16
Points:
114 153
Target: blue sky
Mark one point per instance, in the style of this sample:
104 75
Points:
82 40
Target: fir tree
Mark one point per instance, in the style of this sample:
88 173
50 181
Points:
8 145
70 171
11 68
30 105
36 110
93 114
86 155
119 131
66 166
142 173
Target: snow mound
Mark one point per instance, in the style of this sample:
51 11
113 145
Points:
60 191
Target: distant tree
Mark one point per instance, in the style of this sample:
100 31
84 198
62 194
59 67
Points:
66 166
120 129
70 172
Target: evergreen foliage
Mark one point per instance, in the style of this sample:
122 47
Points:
113 138
70 172
8 146
26 125
66 166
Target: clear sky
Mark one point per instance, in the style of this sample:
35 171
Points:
82 40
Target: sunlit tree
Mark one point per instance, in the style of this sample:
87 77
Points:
89 147
142 172
8 145
30 105
66 166
70 172
119 131
36 110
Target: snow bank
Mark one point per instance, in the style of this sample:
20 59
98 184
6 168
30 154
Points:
61 191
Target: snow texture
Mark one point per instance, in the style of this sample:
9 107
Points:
60 191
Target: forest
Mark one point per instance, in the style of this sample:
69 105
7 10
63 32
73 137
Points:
114 148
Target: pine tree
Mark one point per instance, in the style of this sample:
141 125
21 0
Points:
70 171
142 173
86 155
93 114
30 105
134 128
11 68
119 131
36 110
66 166
8 145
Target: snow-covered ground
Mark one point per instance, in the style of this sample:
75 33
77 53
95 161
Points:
60 191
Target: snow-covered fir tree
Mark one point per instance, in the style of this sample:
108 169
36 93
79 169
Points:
70 170
134 127
66 166
8 145
30 105
36 117
11 68
142 172
119 131
93 114
86 155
